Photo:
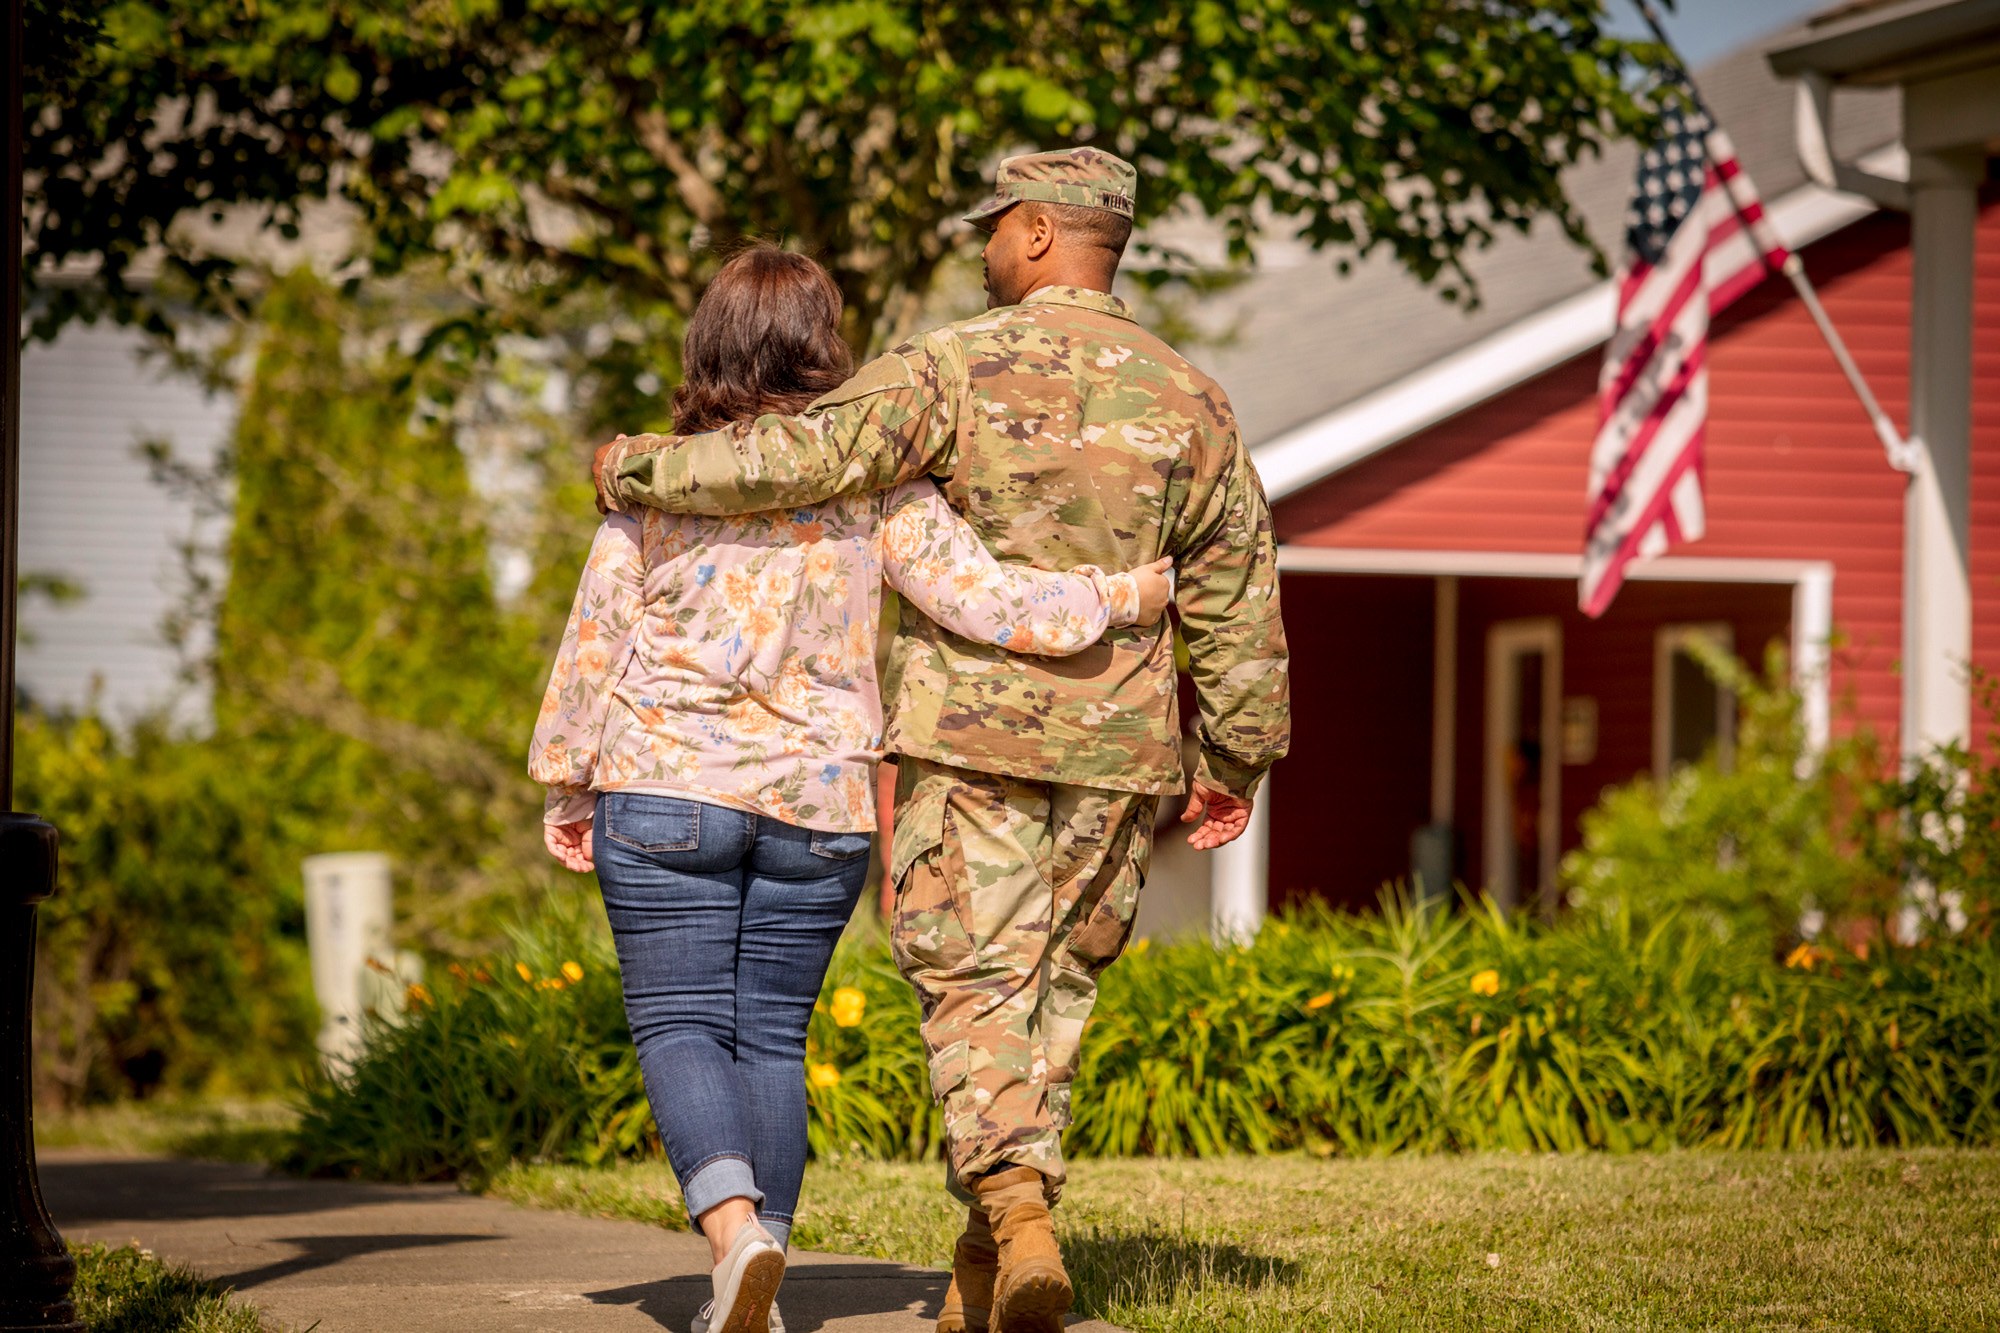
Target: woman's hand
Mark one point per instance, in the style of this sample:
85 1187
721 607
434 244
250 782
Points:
570 844
1156 589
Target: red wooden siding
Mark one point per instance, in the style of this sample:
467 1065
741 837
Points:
1986 451
1794 470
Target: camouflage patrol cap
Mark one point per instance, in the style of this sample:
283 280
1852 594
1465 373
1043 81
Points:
1085 177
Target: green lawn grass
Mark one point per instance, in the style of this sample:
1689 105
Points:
1685 1240
213 1130
127 1290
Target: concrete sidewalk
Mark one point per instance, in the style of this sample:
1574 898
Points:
359 1258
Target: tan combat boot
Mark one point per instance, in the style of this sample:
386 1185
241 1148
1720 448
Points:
975 1260
1031 1292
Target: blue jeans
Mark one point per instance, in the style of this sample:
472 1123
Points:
725 923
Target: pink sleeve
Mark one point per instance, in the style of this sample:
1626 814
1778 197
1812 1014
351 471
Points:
932 556
595 644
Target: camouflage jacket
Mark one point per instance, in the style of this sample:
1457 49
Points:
1067 435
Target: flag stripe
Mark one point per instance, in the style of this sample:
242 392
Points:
1691 199
1636 453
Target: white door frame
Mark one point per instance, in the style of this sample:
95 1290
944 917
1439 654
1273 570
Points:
1507 642
1667 640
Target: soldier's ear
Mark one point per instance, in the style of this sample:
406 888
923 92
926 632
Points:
1041 235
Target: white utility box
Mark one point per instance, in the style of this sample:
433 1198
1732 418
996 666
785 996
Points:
350 912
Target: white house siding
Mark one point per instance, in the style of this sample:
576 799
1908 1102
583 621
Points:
91 512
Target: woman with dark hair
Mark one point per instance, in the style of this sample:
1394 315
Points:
709 740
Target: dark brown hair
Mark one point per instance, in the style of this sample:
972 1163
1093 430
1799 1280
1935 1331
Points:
765 338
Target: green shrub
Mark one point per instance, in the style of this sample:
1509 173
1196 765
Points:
1405 1031
868 1079
370 691
527 1057
359 643
1936 827
1336 1034
1748 846
523 1057
1781 844
172 958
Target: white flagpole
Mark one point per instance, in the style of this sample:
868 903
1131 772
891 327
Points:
1903 454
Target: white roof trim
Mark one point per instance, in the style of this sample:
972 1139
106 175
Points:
1296 559
1522 350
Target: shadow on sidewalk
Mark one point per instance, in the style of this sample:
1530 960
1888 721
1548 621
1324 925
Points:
325 1251
812 1294
84 1190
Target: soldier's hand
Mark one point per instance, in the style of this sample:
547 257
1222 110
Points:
1156 589
570 844
597 474
1223 817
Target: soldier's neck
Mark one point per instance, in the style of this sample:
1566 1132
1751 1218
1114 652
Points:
1090 277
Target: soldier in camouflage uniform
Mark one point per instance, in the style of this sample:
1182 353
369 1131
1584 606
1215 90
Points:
1027 788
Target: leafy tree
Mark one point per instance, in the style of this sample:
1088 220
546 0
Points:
370 691
542 146
359 645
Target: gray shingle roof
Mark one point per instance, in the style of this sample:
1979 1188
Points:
1308 340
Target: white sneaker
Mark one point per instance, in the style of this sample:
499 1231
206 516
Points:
746 1283
701 1320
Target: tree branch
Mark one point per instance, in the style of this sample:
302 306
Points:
701 197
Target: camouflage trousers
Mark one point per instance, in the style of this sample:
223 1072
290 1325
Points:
1012 896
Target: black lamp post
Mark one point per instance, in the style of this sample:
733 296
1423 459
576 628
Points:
36 1271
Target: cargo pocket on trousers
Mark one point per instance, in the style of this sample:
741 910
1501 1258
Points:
919 827
951 1065
1107 925
929 933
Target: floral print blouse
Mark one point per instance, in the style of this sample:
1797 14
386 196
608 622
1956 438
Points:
732 660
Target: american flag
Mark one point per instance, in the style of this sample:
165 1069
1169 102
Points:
1679 267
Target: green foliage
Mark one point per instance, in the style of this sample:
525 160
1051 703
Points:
1333 1034
525 1056
59 591
370 692
1747 842
127 1290
1365 1035
582 143
868 1077
358 640
355 545
172 957
1777 843
1936 826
